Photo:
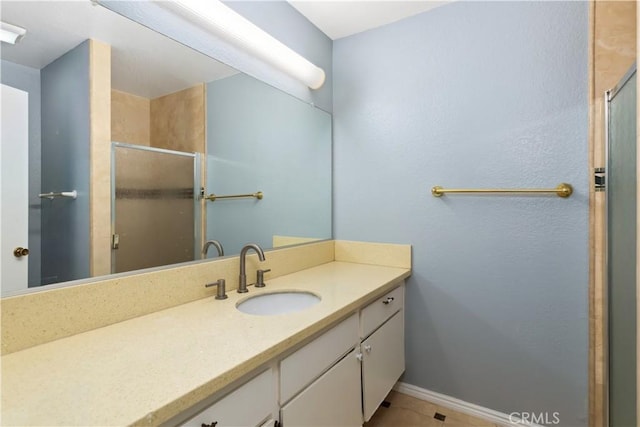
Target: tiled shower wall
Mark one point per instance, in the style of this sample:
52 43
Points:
130 118
174 122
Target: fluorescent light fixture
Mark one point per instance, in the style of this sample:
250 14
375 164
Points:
11 33
219 19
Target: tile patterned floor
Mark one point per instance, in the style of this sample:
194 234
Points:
407 411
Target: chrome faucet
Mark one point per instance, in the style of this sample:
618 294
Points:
210 243
242 284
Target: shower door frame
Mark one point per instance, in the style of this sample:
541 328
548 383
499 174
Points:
609 95
197 193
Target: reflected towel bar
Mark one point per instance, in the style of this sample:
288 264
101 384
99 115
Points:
562 190
212 197
70 194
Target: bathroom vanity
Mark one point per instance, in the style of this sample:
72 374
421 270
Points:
350 369
205 361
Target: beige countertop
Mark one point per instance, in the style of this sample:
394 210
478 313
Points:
147 370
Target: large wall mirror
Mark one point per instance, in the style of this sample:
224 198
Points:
186 132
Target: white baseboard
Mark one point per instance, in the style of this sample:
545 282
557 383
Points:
477 411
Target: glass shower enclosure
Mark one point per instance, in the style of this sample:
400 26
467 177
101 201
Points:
155 207
621 195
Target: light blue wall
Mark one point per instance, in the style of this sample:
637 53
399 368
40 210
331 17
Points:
28 80
259 138
276 17
476 94
65 166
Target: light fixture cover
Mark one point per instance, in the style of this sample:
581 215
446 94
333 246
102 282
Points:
227 24
11 33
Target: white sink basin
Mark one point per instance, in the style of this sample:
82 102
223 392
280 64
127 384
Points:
278 303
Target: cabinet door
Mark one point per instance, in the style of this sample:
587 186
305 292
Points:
305 365
248 405
383 362
332 400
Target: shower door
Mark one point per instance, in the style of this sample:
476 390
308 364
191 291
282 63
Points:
155 199
621 249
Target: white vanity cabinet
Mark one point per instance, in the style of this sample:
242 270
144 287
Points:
350 391
337 379
331 400
249 405
382 348
324 381
382 363
302 367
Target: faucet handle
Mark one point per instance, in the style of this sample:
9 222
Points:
221 294
260 280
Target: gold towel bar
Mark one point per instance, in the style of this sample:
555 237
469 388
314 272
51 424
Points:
212 197
562 190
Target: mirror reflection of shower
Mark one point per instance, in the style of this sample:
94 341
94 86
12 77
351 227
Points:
141 94
156 207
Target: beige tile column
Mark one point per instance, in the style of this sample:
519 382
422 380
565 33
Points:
100 162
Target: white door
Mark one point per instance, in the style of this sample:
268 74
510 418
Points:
14 188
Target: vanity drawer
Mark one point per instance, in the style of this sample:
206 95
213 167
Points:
376 313
309 362
248 405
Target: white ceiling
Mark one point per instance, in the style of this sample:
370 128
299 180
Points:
55 27
144 62
339 19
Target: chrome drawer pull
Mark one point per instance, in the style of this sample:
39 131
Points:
388 300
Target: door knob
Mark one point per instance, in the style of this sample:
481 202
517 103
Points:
20 252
